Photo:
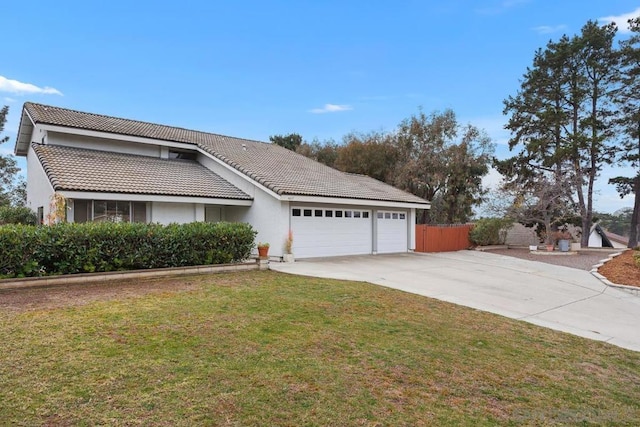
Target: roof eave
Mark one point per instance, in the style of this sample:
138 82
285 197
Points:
148 197
293 198
25 131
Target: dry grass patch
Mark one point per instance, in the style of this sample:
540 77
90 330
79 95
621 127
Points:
262 348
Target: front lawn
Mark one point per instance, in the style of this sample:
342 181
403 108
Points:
263 348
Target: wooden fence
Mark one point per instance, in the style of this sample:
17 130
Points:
442 238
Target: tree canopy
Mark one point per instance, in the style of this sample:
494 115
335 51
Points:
628 101
562 120
12 187
290 141
429 155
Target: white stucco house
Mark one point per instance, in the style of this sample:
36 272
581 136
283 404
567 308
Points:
127 170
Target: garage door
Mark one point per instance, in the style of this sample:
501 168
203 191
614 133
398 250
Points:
319 231
392 231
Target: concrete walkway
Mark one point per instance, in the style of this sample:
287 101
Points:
556 297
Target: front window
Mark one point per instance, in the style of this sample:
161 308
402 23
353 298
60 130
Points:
110 210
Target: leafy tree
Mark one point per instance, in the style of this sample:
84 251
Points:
562 118
17 215
628 100
422 141
431 156
546 206
617 222
443 162
324 152
490 231
12 187
291 141
371 154
467 162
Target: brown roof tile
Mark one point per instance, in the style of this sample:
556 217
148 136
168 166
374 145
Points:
76 169
277 168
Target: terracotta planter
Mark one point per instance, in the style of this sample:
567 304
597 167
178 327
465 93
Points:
549 248
263 251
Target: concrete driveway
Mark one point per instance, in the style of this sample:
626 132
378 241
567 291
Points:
560 298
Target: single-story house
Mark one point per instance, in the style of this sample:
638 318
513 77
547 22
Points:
110 168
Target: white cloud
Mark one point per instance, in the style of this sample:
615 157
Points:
8 100
621 20
331 108
16 87
548 29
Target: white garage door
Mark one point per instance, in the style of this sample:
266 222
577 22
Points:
319 231
392 231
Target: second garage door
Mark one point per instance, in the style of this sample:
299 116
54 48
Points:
319 231
391 231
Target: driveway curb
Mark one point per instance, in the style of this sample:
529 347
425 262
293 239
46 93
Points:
633 290
49 281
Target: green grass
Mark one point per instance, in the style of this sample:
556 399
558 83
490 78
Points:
262 348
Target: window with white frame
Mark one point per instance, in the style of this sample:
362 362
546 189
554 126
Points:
109 210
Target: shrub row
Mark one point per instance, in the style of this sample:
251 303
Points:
490 231
17 215
105 246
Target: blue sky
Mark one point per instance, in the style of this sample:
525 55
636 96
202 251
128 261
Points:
253 69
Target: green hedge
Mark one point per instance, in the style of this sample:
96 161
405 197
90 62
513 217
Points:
105 246
17 215
490 231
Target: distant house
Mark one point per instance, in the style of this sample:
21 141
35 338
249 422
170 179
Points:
117 169
600 238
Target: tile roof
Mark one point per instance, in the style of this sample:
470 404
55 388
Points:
282 171
616 237
78 169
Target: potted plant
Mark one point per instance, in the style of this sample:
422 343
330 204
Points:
263 250
288 247
564 239
547 238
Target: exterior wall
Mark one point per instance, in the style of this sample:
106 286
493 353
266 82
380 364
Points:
39 190
595 240
268 216
412 229
166 213
519 235
79 141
